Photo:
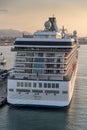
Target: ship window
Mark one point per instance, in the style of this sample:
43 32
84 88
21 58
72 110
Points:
34 85
53 85
64 92
40 54
18 84
28 65
58 60
21 84
38 63
50 60
29 84
58 71
11 90
50 65
49 85
38 66
40 85
58 66
29 54
50 54
22 90
29 59
49 71
28 70
57 85
45 85
38 59
25 84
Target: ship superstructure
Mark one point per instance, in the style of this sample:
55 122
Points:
45 68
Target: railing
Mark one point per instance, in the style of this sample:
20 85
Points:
36 77
37 69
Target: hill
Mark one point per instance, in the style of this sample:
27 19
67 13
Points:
11 33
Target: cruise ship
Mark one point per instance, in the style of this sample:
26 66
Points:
45 68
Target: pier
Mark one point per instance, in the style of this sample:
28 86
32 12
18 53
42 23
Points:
3 91
3 86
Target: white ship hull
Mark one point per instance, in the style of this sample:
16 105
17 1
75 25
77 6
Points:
42 100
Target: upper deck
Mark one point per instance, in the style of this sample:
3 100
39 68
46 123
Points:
48 55
43 42
50 37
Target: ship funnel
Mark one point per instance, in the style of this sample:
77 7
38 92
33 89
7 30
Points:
51 25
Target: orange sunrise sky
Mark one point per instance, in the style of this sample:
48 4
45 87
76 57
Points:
30 15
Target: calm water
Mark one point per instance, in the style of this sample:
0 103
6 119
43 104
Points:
73 118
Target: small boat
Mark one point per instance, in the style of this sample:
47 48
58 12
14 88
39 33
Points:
2 59
4 74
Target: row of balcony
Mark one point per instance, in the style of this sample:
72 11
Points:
36 77
33 49
40 77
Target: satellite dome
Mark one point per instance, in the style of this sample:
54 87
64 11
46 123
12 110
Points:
47 25
75 33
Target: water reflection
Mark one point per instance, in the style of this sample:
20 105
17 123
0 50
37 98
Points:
77 112
25 118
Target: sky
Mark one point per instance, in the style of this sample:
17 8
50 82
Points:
30 15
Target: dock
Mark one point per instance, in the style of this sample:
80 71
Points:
3 91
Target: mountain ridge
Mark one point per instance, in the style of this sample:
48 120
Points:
12 33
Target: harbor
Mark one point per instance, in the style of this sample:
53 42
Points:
43 66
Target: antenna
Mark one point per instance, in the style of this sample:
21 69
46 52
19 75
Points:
53 15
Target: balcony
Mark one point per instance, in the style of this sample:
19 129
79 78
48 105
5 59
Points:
26 76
